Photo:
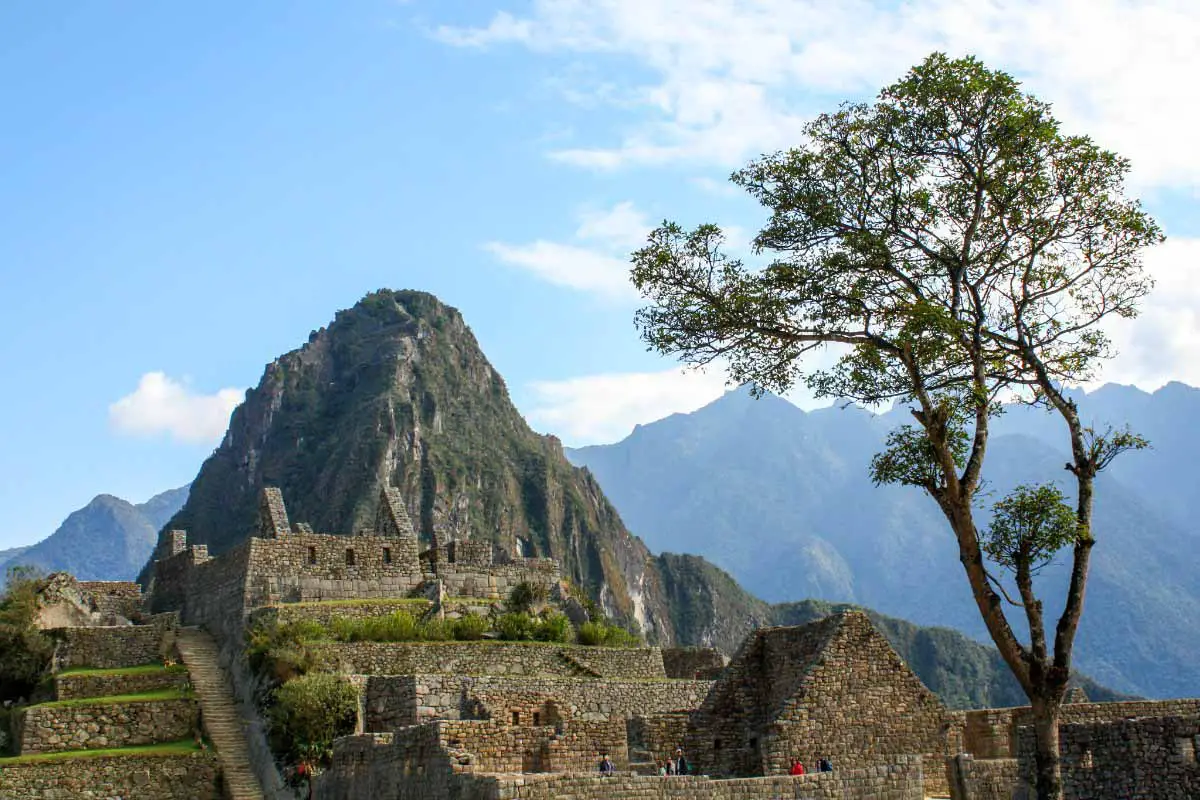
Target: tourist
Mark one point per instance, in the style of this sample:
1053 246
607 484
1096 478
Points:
606 765
797 767
662 768
670 766
826 765
681 764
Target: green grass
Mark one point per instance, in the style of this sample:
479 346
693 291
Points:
145 669
382 601
143 697
180 748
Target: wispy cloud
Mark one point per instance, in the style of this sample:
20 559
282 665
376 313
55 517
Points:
596 263
160 405
732 78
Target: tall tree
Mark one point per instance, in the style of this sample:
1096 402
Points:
957 250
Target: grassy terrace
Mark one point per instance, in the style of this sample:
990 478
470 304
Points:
393 601
144 669
181 748
143 697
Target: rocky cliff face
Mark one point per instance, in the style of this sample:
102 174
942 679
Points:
397 391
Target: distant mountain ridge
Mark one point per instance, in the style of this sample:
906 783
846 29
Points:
108 539
781 498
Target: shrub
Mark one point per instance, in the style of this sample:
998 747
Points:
554 627
399 626
470 627
514 627
311 711
525 596
281 651
436 630
600 634
25 651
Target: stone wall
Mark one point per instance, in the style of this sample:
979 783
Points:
121 598
491 658
392 702
491 746
1152 758
833 688
52 728
655 736
693 663
325 613
190 777
72 687
112 648
992 732
987 779
496 582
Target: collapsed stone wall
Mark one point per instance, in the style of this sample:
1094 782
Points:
116 598
95 726
693 663
1154 758
190 777
490 658
73 687
392 702
114 647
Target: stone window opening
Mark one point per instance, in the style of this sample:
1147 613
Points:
717 744
516 718
1187 749
1086 761
349 556
312 555
537 719
387 555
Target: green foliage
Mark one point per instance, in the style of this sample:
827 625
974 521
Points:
911 459
602 634
399 626
470 627
309 712
281 651
25 651
436 630
1028 527
514 627
527 597
553 627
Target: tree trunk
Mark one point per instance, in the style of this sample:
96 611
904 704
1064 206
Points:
1045 724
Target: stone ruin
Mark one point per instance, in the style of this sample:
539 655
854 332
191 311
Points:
498 720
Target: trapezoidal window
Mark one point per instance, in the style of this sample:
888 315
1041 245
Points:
537 719
312 555
387 555
516 717
349 557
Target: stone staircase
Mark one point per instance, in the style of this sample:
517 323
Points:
218 713
576 666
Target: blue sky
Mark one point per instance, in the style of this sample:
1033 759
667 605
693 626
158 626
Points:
190 188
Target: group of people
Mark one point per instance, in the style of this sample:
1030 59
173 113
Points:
823 765
674 766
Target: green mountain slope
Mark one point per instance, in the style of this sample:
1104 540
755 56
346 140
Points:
396 391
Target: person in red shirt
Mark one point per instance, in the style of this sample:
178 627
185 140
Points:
797 768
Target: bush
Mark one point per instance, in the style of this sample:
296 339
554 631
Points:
281 650
514 627
25 651
399 626
525 596
436 630
600 634
311 711
554 627
470 627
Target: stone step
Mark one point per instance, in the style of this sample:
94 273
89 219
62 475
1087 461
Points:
222 723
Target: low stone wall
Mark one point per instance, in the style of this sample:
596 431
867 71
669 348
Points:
73 687
693 663
491 746
1154 758
112 648
392 702
325 613
981 779
53 728
188 777
491 658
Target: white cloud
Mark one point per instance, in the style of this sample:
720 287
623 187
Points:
1162 344
733 78
599 264
604 408
162 405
